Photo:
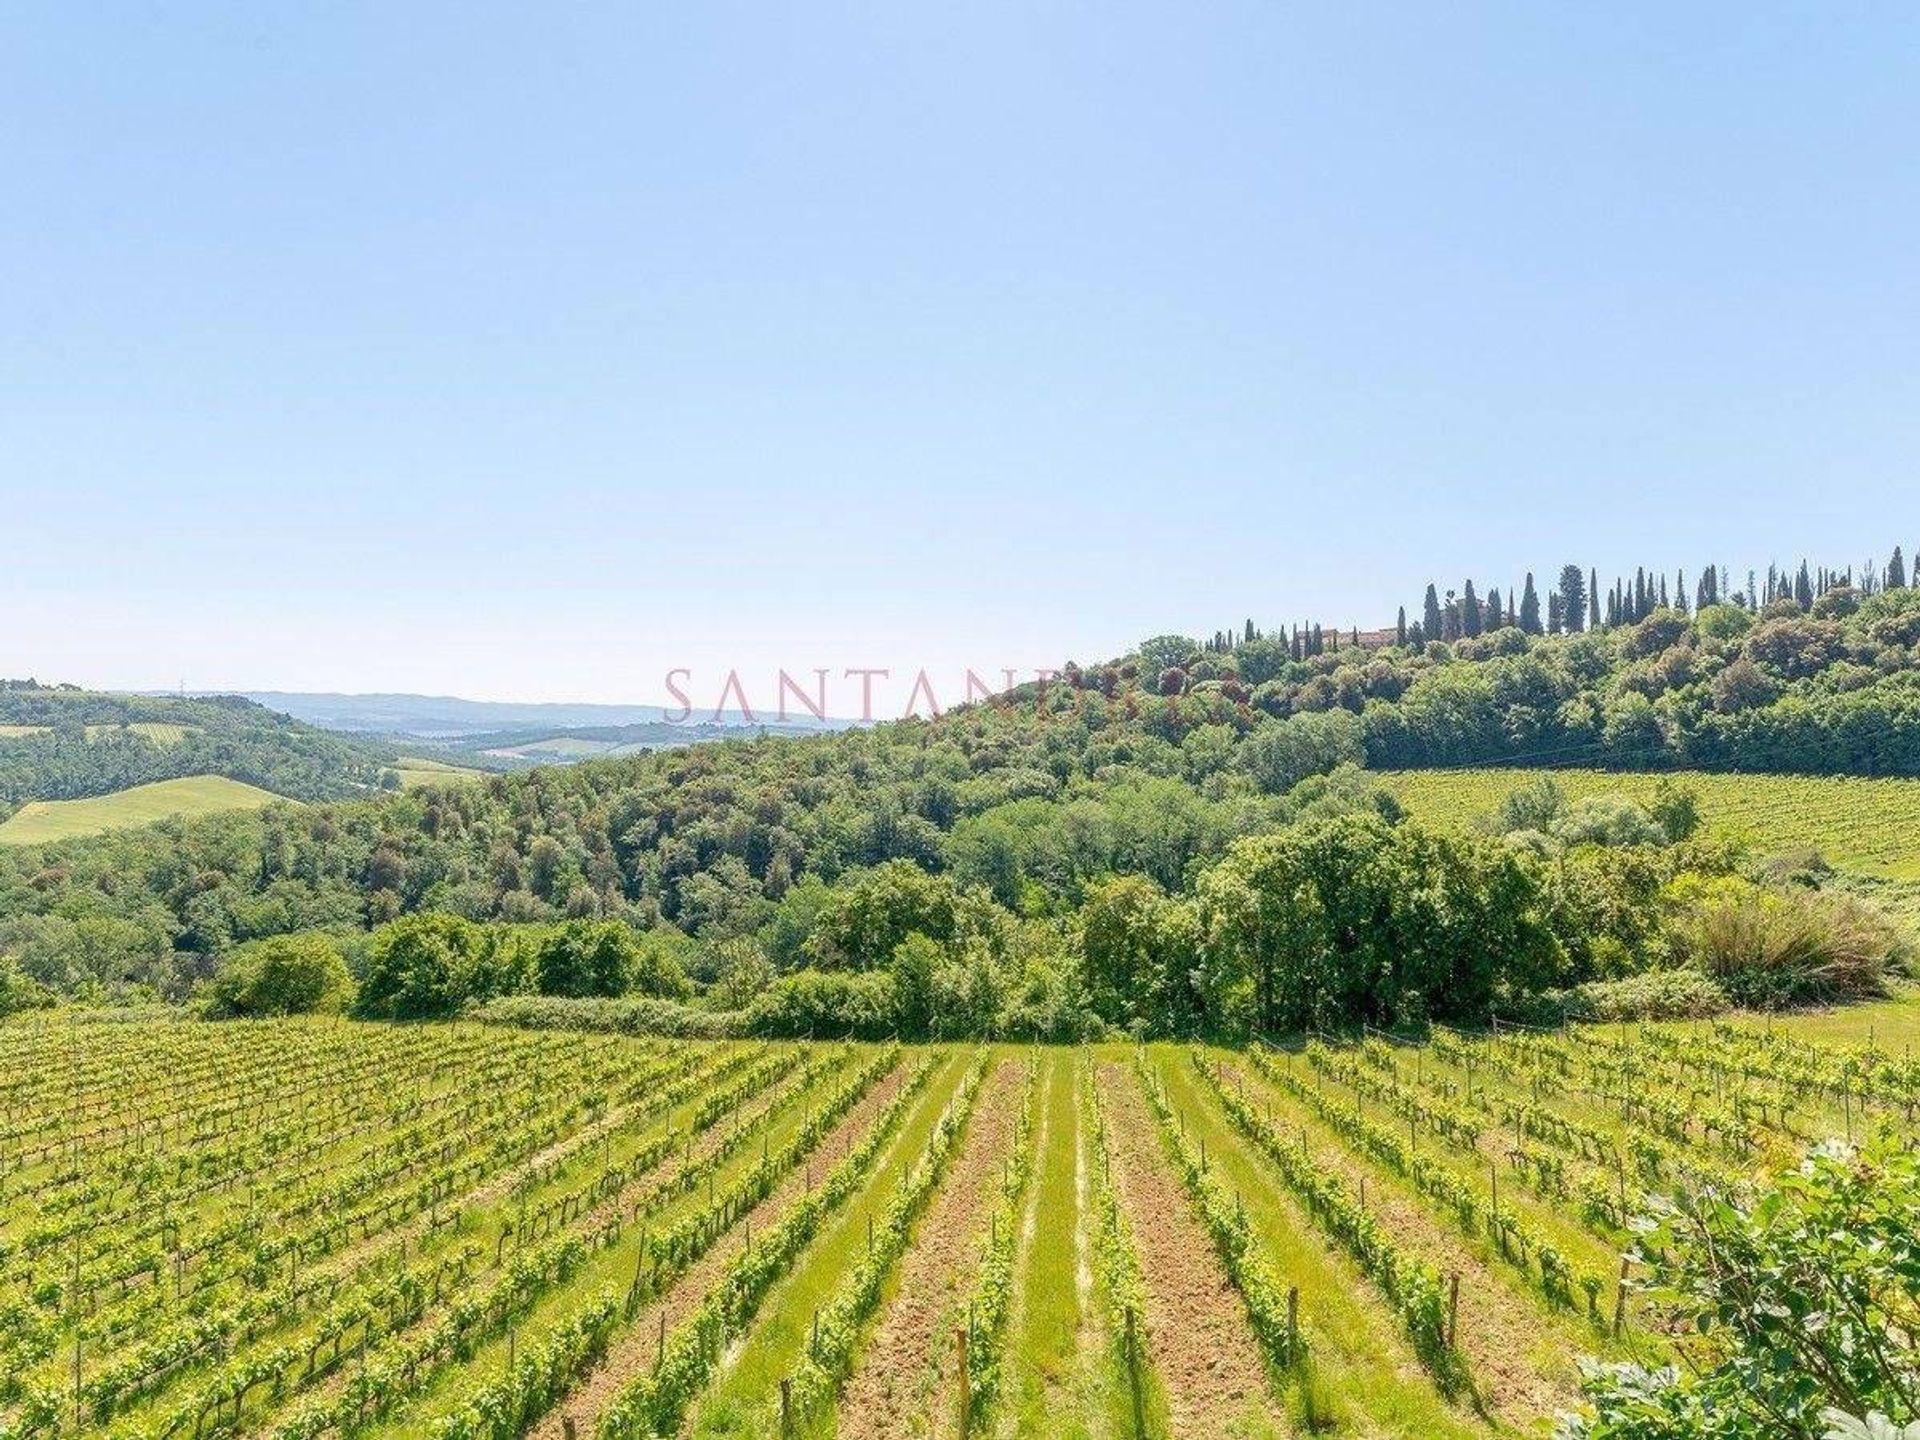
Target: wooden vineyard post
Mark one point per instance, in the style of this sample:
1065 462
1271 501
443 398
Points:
568 1429
660 1345
786 1407
1293 1324
1620 1299
1453 1308
966 1383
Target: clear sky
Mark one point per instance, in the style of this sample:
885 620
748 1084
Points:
531 351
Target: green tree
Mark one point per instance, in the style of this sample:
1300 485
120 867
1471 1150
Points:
1117 937
1282 753
1573 599
1530 608
867 917
429 965
284 975
607 957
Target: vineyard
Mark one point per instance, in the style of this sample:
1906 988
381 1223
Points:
1855 822
295 1230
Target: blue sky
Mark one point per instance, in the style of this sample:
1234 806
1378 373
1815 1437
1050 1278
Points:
529 352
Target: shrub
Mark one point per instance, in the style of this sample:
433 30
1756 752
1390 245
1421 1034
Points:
1682 994
20 991
286 975
607 958
428 965
1787 1306
632 1016
1772 948
826 1004
1608 820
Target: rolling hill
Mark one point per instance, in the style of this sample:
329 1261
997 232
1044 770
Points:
60 743
42 820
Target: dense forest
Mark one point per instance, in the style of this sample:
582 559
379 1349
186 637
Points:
1005 862
63 743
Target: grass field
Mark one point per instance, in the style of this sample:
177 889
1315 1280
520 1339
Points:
41 820
1860 824
158 731
566 747
455 1231
418 770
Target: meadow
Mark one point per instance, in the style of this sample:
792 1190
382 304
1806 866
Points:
417 770
161 732
42 820
1859 823
299 1228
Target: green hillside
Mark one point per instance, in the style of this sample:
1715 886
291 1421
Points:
961 870
43 820
64 743
1857 823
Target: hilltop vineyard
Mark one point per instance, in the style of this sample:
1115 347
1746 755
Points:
293 1230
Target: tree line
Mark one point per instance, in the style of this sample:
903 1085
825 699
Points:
1576 602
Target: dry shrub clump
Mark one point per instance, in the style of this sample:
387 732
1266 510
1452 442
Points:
1771 948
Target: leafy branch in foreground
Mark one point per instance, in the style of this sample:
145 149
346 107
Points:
1799 1309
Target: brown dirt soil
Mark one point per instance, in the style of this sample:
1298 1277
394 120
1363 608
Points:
904 1381
633 1351
1196 1328
1499 1331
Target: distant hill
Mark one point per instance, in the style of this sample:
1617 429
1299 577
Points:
504 735
447 717
60 742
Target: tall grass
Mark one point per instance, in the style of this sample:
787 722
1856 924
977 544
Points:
1768 949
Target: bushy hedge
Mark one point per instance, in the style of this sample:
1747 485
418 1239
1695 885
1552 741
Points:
635 1015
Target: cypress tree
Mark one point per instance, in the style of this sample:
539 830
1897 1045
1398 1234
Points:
1430 622
1897 571
1593 598
1530 608
1553 612
1573 599
1496 613
1400 628
1416 636
1469 612
1803 587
